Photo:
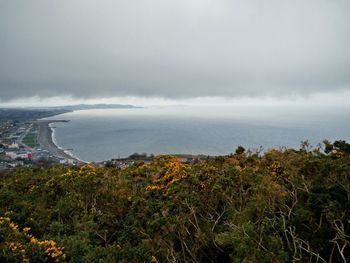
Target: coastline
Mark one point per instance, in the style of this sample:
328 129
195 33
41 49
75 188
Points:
47 141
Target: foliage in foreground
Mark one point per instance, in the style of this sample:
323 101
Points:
283 206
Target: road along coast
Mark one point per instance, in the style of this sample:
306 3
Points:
46 141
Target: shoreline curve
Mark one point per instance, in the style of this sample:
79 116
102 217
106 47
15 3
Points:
47 142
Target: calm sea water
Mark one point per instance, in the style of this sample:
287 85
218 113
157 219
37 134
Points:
95 135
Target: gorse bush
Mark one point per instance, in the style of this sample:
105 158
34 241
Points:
282 206
17 245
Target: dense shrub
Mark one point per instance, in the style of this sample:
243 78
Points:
282 206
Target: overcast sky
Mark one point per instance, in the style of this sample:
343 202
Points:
173 49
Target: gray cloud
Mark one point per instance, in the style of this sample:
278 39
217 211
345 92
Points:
176 49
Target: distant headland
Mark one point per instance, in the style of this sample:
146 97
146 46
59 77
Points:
94 107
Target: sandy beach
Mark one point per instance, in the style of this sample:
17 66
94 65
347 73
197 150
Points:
46 142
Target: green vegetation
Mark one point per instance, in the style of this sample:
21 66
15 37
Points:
282 206
30 139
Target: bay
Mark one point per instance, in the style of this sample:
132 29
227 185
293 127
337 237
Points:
96 135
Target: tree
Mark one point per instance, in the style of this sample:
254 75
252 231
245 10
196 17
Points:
240 150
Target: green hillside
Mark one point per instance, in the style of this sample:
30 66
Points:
282 206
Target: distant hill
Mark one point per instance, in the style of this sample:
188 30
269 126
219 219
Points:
33 113
24 114
95 106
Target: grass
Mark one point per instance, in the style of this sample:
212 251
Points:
30 140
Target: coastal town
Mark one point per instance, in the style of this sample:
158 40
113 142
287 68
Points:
25 141
24 144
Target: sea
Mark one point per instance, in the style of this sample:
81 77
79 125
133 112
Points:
104 134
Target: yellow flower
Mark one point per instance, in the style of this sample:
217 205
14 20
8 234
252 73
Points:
13 226
33 240
88 168
13 247
153 259
26 229
152 188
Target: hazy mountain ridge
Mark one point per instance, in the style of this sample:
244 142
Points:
32 113
95 106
